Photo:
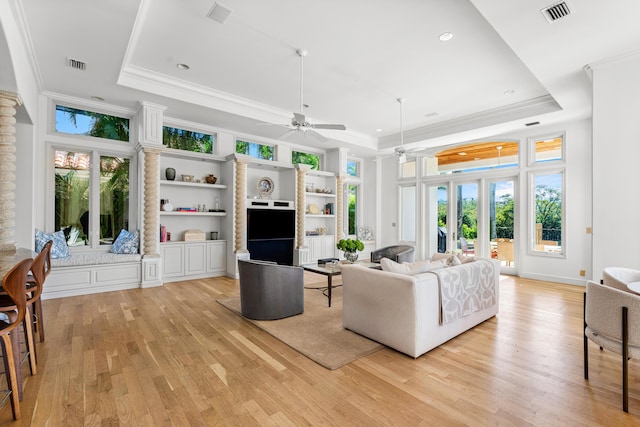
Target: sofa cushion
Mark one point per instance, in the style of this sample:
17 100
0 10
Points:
410 268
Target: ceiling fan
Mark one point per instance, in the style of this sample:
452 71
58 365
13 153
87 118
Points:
402 153
299 122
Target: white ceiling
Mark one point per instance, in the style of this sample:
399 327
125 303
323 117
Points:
363 54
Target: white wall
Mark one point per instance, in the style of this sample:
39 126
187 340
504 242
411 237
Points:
616 172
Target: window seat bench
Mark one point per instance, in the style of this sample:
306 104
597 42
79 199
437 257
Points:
90 273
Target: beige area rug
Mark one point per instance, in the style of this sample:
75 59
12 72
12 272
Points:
317 333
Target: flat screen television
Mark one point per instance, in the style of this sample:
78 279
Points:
271 224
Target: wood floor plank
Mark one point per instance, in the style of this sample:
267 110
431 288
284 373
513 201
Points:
173 356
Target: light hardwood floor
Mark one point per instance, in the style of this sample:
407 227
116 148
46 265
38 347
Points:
173 356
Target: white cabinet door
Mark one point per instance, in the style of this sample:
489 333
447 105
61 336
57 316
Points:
216 256
172 256
329 247
194 258
316 250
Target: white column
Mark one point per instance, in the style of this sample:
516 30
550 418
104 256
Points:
301 171
151 201
339 208
7 170
150 118
301 254
241 208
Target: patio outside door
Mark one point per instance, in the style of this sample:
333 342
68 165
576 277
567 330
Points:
501 223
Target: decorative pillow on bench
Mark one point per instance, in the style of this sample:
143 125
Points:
59 248
126 243
410 268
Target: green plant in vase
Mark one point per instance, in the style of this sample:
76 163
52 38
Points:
350 247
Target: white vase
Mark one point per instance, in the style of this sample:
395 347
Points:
168 207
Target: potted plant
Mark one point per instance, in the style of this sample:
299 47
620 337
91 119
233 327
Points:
350 247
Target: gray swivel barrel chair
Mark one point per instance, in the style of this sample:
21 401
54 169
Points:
397 253
269 291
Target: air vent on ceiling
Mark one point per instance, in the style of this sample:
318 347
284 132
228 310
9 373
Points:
219 13
78 65
557 11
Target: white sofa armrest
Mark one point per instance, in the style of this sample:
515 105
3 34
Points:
383 306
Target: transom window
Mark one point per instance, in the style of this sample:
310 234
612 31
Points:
479 156
253 149
299 157
188 140
353 168
89 123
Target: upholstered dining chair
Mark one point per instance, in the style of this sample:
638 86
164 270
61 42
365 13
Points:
35 284
619 277
608 312
14 285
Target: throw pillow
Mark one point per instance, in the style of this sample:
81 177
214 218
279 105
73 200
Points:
409 268
126 243
450 259
467 259
59 248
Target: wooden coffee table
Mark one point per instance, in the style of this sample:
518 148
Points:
331 271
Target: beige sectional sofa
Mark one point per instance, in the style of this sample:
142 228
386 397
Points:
416 313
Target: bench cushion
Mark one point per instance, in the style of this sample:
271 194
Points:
94 258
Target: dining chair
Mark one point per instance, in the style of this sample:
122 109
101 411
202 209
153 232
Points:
14 285
608 313
33 291
35 284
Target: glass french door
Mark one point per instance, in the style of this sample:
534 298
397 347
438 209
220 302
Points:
502 242
475 217
466 233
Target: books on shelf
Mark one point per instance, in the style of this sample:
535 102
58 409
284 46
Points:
163 234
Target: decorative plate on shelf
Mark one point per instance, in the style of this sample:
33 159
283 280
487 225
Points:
265 187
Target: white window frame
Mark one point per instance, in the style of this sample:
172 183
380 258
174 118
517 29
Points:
532 212
531 142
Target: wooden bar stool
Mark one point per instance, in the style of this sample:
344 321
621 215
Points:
35 283
14 285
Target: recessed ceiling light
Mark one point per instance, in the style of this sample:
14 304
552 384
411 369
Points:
509 92
445 37
378 130
97 98
462 153
183 67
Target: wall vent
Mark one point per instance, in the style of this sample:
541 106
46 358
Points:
557 11
78 65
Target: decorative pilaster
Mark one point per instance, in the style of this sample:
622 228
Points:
241 207
7 170
339 208
151 201
301 172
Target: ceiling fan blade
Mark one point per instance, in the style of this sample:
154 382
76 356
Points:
288 134
326 126
315 135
